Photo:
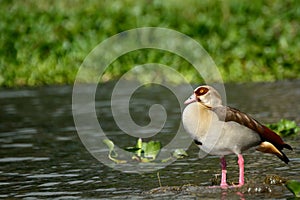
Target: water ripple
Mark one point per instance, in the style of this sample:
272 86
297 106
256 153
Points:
53 175
21 159
46 194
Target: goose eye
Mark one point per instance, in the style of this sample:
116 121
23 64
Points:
201 91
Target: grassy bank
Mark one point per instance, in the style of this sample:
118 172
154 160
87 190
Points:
44 42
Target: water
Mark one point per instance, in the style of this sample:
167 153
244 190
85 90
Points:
41 155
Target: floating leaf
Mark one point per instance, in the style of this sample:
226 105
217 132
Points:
143 151
294 187
285 127
179 153
116 160
151 149
112 153
110 146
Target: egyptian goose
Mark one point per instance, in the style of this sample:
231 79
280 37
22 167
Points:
222 130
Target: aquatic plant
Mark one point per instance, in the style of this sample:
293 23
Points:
285 128
294 187
142 151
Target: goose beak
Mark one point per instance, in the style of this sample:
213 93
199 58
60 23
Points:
191 99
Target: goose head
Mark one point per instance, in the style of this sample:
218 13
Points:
206 95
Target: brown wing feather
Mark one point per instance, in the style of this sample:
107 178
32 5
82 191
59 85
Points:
226 113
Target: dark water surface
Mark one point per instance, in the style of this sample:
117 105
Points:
41 155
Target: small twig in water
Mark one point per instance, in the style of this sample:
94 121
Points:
158 177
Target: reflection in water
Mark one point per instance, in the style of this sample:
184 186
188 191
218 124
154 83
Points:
41 155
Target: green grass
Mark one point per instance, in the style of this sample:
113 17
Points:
44 42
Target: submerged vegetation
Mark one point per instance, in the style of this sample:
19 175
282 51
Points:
45 42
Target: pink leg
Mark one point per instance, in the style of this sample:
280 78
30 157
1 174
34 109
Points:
241 166
223 178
